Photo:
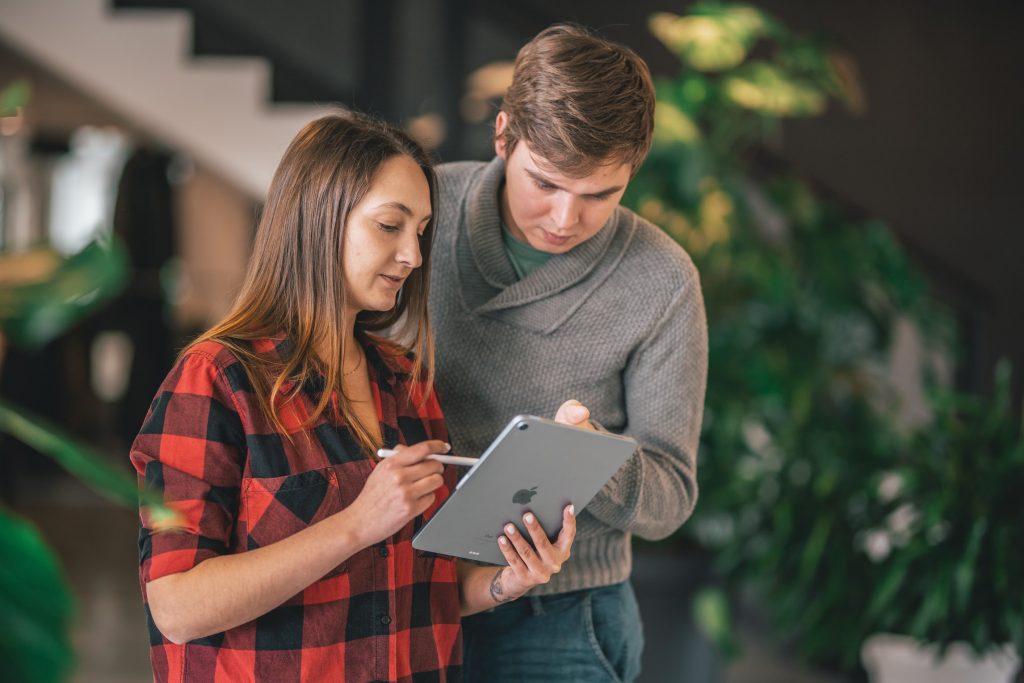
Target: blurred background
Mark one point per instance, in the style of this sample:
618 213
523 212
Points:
845 175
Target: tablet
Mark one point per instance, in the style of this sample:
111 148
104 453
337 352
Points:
533 465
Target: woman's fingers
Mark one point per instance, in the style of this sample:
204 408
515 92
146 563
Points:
549 555
522 546
568 532
427 484
409 455
511 554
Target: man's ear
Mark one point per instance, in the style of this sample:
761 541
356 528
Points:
500 123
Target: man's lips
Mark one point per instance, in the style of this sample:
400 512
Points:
553 239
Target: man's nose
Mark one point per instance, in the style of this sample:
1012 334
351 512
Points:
565 212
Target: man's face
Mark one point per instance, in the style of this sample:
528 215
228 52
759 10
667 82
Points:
549 210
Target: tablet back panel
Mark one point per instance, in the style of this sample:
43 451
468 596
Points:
534 465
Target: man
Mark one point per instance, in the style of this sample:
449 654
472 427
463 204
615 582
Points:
544 288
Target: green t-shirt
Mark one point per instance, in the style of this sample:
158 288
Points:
525 259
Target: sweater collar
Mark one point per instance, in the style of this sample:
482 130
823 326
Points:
490 265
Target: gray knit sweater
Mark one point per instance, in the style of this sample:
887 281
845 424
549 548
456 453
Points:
616 323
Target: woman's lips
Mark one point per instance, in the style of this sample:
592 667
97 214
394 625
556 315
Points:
393 281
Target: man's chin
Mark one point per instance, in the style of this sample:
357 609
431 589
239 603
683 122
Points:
543 243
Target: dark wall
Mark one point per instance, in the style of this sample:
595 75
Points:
937 153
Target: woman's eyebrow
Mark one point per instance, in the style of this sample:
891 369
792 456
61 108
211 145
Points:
395 205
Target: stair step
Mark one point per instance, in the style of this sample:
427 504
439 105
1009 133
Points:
214 36
138 62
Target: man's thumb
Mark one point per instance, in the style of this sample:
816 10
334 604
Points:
572 412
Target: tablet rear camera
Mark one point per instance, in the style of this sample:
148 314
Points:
523 426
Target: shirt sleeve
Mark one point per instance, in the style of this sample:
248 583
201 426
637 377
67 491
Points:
656 490
190 450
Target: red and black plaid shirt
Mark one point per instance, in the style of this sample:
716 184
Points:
388 613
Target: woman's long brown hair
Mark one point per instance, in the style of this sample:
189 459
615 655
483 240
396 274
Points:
295 285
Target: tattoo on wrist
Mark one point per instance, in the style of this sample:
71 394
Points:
497 592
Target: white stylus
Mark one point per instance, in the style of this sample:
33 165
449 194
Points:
443 459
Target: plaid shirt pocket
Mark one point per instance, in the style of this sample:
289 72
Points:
274 508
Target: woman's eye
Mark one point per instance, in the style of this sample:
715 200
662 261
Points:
388 228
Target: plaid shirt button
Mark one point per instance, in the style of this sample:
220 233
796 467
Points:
385 620
384 551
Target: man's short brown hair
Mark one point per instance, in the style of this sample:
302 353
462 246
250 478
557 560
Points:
579 101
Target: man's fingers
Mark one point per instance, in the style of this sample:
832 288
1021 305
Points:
572 412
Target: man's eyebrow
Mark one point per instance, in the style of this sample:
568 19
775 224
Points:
602 193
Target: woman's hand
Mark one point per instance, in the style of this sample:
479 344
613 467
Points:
398 489
531 565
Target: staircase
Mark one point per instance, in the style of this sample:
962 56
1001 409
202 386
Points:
218 109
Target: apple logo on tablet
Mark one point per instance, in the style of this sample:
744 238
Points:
523 496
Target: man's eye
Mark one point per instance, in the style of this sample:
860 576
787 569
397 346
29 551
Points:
388 228
547 187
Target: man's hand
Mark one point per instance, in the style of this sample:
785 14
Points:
574 413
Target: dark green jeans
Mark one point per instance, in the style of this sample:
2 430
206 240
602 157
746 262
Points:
584 636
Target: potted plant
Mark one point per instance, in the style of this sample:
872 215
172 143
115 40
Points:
804 299
945 530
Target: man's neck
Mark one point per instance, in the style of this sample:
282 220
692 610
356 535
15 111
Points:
506 214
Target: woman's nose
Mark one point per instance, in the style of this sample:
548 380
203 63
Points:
409 251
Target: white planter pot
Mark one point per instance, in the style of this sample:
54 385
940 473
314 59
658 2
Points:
891 658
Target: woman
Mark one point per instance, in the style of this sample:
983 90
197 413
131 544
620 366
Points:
295 561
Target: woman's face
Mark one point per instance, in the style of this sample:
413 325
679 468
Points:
382 235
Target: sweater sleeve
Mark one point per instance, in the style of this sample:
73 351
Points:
664 383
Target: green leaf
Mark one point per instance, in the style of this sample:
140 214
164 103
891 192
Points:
83 462
35 310
36 607
672 125
713 618
887 588
14 96
765 88
963 576
714 37
815 548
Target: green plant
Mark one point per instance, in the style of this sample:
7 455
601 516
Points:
945 527
803 303
41 296
36 607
